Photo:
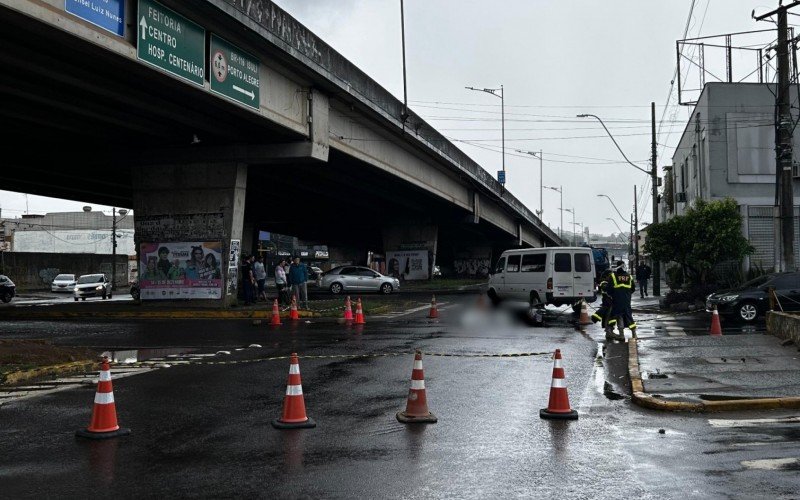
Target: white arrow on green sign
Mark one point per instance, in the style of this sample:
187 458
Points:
171 42
234 73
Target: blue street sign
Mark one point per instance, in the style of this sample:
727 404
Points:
501 176
107 14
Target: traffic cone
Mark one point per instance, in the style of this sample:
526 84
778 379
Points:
104 414
716 327
276 314
584 319
294 406
293 315
348 310
434 311
417 404
558 406
359 313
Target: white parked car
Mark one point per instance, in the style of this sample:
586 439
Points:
551 275
92 285
63 283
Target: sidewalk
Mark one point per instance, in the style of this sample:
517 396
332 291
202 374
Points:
707 373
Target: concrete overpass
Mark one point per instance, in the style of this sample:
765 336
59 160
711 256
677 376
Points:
218 120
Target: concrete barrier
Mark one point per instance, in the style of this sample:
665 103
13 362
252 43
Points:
784 326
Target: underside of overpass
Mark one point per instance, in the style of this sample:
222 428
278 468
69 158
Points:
81 122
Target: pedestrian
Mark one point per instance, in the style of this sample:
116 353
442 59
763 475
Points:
248 281
280 281
260 275
297 278
603 313
643 272
620 287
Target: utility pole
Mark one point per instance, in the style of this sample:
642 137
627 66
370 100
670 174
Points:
783 132
635 230
541 181
113 248
404 114
654 182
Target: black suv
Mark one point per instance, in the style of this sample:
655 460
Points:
7 289
751 300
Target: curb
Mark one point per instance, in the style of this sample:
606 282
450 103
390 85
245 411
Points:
185 314
653 402
13 378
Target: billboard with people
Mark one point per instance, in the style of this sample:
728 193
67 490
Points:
180 270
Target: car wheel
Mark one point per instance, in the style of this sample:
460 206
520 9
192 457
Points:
104 296
135 293
76 299
83 299
386 289
6 297
748 311
336 288
109 295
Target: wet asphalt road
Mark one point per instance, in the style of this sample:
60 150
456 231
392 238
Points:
203 429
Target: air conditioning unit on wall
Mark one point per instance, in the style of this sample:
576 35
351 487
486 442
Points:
795 170
680 197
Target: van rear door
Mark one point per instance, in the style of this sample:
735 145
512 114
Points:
583 277
562 275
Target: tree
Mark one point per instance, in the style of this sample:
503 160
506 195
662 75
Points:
709 233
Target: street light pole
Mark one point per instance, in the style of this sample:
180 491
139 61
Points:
541 176
653 173
613 205
501 95
572 211
560 190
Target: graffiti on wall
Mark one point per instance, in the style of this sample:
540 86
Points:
472 267
48 274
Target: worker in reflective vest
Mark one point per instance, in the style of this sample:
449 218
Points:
620 286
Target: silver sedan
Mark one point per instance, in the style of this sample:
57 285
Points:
358 278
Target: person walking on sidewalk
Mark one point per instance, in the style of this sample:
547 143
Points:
248 281
620 287
643 272
261 277
280 281
298 275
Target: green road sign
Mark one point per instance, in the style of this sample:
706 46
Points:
234 73
171 42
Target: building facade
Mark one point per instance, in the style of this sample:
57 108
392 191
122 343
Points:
727 149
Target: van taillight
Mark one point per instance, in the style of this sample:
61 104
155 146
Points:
549 283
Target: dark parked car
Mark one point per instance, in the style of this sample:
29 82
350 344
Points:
7 289
751 300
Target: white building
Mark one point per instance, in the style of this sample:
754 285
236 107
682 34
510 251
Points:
728 150
70 232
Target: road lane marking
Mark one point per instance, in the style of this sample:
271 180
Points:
754 422
771 463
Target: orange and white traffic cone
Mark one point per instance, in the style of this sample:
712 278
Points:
558 406
104 414
293 315
434 313
584 319
417 404
276 314
716 327
294 406
348 310
359 313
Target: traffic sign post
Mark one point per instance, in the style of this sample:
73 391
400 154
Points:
171 42
234 73
501 176
107 14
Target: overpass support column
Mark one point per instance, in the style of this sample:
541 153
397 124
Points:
188 220
410 250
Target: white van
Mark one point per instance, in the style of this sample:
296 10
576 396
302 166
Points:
551 275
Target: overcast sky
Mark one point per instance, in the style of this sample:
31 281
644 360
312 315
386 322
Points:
555 59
